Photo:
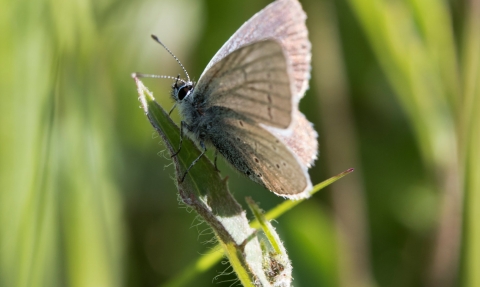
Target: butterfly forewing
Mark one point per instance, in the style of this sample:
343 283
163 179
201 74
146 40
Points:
283 21
253 81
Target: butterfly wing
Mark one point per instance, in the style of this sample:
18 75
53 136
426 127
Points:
283 21
246 98
260 74
301 138
253 81
258 154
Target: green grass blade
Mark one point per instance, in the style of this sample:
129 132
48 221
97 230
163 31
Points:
209 260
471 155
207 193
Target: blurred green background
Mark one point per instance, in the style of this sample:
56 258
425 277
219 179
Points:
86 190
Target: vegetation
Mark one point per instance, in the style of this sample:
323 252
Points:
86 190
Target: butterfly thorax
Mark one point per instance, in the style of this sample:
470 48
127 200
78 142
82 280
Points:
195 115
189 110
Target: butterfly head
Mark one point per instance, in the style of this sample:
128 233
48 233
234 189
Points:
182 90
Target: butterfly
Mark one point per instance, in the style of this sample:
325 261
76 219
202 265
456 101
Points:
245 103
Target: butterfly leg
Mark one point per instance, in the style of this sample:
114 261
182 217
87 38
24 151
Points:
202 144
182 124
175 86
171 110
215 160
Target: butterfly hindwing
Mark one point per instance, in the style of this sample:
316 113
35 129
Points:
258 154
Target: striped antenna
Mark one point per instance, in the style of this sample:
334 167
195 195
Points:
178 61
137 75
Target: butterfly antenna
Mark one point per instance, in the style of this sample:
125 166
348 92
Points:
137 75
170 52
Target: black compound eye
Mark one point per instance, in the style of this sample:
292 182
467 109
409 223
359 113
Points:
183 91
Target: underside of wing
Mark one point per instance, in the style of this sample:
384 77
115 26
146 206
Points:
301 138
283 21
261 73
258 154
254 81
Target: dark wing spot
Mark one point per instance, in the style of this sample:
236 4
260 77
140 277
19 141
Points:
278 166
241 123
256 160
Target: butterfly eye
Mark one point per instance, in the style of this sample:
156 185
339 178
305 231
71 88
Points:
183 91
